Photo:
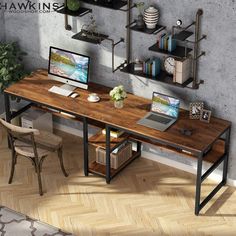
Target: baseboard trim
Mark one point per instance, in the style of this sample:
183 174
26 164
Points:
153 157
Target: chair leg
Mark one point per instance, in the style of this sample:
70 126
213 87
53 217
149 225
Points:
59 151
13 163
37 165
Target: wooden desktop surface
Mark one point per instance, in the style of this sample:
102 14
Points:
35 88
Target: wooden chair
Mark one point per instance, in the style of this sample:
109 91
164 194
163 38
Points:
33 144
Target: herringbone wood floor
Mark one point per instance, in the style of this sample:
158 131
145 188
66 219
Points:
147 198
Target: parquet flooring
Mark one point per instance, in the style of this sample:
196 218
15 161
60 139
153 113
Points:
147 198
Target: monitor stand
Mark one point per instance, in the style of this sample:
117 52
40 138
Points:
68 87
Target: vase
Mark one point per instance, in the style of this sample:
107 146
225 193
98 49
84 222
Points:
151 17
140 22
119 104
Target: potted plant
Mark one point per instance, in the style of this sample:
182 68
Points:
140 21
11 66
118 95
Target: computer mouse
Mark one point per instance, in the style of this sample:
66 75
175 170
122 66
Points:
74 95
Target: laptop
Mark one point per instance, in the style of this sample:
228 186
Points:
164 112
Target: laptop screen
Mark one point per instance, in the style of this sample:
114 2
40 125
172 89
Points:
165 105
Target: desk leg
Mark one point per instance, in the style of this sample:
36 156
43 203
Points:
7 112
139 147
7 107
198 185
85 140
225 168
108 160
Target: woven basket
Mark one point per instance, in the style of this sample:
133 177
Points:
116 159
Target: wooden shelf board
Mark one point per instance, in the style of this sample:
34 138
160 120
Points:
145 30
99 140
179 52
163 77
115 6
81 12
82 37
216 152
183 35
100 169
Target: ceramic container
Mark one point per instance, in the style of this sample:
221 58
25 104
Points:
151 17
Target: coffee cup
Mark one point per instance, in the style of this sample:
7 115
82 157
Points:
93 96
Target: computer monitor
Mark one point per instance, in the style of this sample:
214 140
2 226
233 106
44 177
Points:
69 67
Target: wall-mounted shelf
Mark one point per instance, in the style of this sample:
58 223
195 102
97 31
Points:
116 5
183 35
96 38
179 52
81 12
163 77
145 30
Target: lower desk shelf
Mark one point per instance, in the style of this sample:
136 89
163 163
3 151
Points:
100 169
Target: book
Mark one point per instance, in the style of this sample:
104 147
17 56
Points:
171 44
156 67
114 133
182 70
161 46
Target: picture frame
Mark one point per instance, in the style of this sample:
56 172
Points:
205 116
195 110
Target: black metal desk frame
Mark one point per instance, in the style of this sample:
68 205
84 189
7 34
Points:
199 179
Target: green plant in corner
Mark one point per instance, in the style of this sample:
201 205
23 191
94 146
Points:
11 64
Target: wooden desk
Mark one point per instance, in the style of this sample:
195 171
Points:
205 136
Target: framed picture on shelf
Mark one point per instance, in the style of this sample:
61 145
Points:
195 110
205 115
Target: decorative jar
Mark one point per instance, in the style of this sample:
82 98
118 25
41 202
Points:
151 17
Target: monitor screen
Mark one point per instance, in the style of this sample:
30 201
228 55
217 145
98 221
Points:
68 65
165 105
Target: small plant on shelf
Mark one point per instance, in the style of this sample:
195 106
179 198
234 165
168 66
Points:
118 95
140 22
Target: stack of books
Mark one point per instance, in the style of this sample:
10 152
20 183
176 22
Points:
138 66
152 67
166 42
114 133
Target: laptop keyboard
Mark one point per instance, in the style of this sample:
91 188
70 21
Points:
159 119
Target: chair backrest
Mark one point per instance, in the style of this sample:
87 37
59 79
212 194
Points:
19 133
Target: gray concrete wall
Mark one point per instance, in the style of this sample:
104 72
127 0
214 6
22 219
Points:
36 32
2 29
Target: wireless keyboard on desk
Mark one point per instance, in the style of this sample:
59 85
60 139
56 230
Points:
61 91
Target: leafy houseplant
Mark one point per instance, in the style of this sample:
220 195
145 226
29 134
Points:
118 95
11 67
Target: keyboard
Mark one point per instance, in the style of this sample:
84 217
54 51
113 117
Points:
159 119
59 90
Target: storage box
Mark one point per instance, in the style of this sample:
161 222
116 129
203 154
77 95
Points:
116 159
36 119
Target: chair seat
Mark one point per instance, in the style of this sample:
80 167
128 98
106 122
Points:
49 140
27 150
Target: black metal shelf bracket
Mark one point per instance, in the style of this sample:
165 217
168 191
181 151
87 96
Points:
122 40
129 8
